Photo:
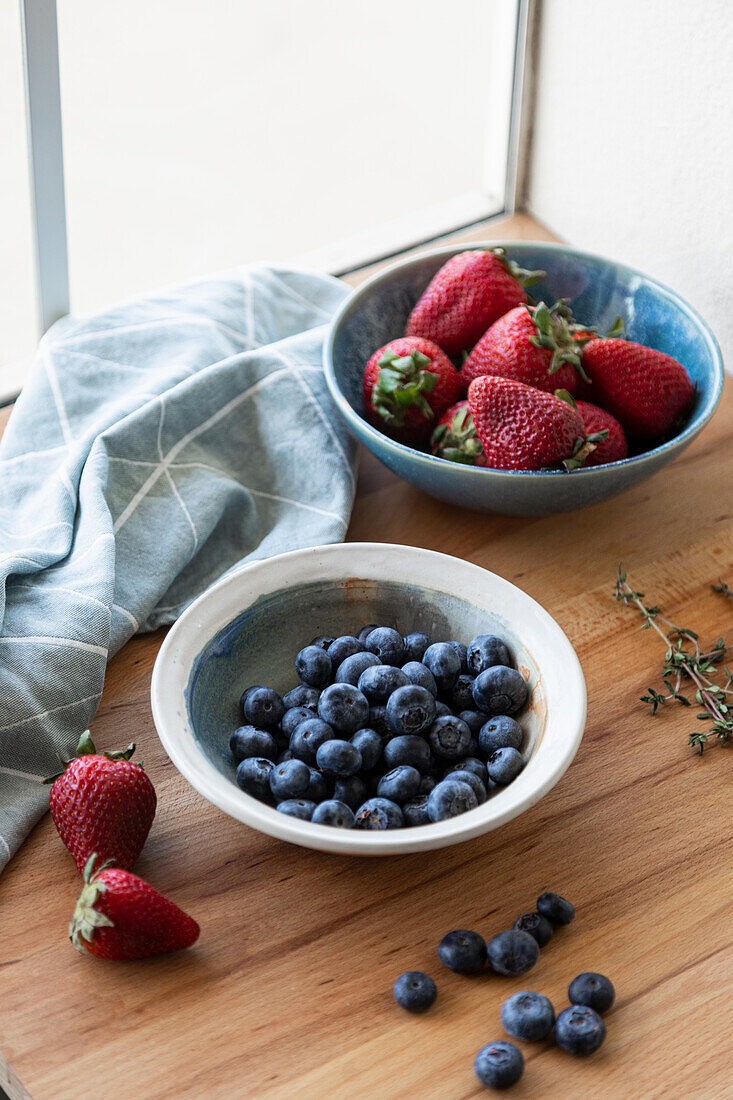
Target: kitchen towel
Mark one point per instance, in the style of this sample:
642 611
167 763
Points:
155 446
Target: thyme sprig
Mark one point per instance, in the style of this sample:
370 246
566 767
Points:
685 660
723 588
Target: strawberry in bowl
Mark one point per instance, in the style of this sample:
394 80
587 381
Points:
407 385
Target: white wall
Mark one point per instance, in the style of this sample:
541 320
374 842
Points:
632 150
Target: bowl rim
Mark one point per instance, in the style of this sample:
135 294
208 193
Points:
369 433
231 595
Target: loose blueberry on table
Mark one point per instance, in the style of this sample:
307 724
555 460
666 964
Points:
385 732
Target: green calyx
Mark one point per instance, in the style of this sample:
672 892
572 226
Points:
86 918
524 277
584 333
457 441
86 747
584 445
555 334
402 384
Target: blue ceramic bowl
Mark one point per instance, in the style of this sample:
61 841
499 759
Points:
599 291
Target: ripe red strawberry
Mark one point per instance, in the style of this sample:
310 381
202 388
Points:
613 447
469 293
103 803
406 385
522 428
455 437
119 916
530 344
645 389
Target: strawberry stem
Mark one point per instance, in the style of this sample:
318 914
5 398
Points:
402 384
524 277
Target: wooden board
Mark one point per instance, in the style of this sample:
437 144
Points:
288 992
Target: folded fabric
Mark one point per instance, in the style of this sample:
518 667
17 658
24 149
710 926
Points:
155 447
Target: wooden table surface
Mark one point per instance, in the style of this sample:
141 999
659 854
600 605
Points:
288 992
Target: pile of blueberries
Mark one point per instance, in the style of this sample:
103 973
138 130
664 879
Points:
384 731
528 1016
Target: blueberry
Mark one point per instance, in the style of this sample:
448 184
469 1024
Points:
399 785
500 690
474 719
410 709
512 952
319 788
408 749
529 1016
450 798
501 732
338 758
387 644
415 991
442 710
377 721
462 694
462 654
449 738
499 1065
246 694
297 807
472 781
415 645
369 744
293 717
418 673
344 707
555 908
485 651
334 813
323 641
365 631
343 647
248 741
593 990
579 1030
313 665
351 790
379 813
253 776
538 927
308 737
504 765
290 779
302 696
415 812
263 707
462 951
379 681
470 764
351 669
286 754
427 784
444 663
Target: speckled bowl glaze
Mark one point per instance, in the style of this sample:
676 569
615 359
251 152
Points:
248 628
599 291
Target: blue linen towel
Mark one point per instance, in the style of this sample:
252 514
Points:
155 446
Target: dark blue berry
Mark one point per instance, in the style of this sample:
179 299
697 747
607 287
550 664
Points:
351 669
427 784
408 749
379 813
415 812
334 813
247 692
410 709
399 785
293 717
307 738
470 764
351 790
297 807
343 647
500 690
499 1065
512 952
415 645
290 779
344 707
538 927
501 732
528 1016
415 991
462 693
579 1030
449 738
462 653
369 744
450 798
323 641
504 765
593 990
319 788
285 755
313 665
302 696
263 707
248 741
377 721
474 719
555 908
485 651
418 673
253 776
365 631
462 951
444 663
442 710
473 782
379 681
338 758
387 644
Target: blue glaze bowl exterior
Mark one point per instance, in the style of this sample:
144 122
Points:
599 291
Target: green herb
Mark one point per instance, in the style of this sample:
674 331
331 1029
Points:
723 588
684 660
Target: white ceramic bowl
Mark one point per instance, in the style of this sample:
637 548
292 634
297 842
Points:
249 626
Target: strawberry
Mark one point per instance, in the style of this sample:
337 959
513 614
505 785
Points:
523 428
406 384
104 803
645 389
469 293
455 437
530 344
596 421
119 916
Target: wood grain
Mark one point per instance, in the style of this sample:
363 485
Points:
288 992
